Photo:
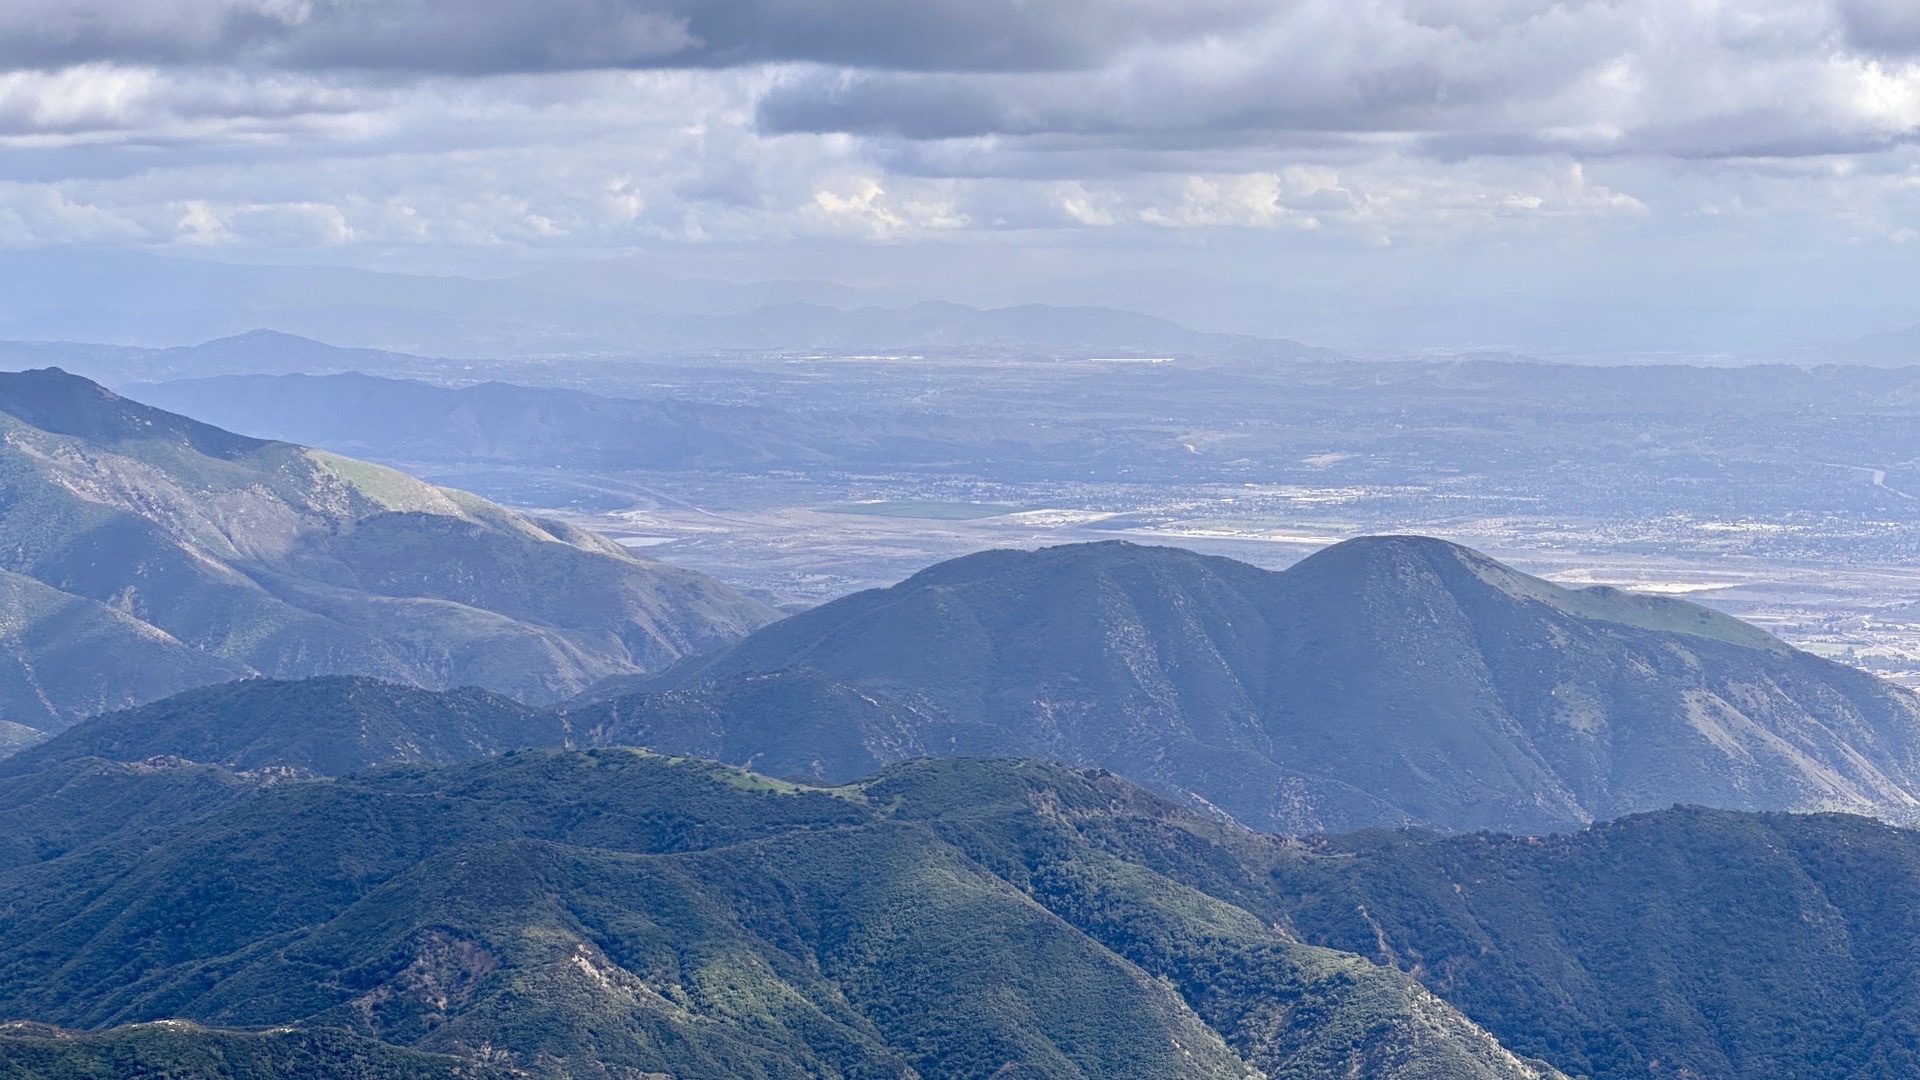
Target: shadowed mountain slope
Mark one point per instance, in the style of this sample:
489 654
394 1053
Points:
1386 680
612 913
329 726
795 724
142 553
1680 944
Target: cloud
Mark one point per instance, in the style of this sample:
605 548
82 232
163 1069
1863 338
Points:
862 205
342 127
1256 200
90 101
1759 78
1014 81
494 36
1882 26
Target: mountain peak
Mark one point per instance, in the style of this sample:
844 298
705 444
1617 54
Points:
1385 680
274 346
1397 564
260 336
1400 565
1392 550
1092 556
62 403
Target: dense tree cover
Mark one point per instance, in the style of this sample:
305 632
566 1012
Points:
177 1050
330 725
581 914
1677 944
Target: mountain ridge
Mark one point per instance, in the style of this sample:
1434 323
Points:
325 726
1386 680
193 555
571 913
582 913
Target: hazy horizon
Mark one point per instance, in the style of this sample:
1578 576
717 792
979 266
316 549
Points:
1590 181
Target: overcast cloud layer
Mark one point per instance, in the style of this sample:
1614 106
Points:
457 132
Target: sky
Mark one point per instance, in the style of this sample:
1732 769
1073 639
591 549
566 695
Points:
1636 175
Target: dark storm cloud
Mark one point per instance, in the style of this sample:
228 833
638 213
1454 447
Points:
1455 78
1882 26
1310 68
493 36
1178 108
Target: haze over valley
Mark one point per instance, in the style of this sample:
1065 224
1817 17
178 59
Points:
1775 493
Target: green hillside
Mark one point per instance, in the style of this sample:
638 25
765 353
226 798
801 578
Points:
1685 943
52 644
584 913
613 913
330 725
175 1048
73 805
796 724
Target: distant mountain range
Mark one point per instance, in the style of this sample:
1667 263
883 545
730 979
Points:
1888 348
258 351
500 423
495 423
602 309
1383 681
143 553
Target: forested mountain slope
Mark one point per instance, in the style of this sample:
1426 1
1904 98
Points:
1684 943
328 726
579 913
612 913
